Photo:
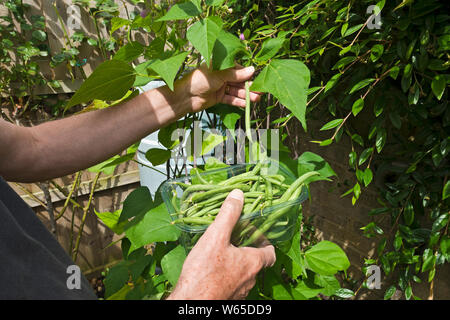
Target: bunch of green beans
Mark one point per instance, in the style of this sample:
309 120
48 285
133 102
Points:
201 202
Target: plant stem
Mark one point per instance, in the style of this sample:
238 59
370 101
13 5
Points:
83 220
247 112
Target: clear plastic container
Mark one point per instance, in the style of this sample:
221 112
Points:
270 222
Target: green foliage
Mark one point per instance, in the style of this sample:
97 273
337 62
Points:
110 81
393 80
19 48
288 81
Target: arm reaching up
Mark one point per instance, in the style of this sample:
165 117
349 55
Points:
61 147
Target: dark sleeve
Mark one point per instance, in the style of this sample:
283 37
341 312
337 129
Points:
33 264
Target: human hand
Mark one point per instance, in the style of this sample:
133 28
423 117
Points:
217 270
206 87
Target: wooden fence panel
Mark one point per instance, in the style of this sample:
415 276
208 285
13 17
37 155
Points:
59 29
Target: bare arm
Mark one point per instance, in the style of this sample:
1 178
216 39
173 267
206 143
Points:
65 146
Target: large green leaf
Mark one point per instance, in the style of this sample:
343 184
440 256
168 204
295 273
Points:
116 278
203 35
213 164
168 68
142 74
110 81
136 204
270 48
326 258
172 263
111 220
181 11
158 156
309 161
155 226
329 284
129 52
226 48
230 119
117 23
278 288
288 81
210 141
308 289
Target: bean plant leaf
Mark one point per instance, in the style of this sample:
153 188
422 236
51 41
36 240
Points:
111 220
215 3
309 161
203 35
136 204
270 48
181 11
116 278
142 74
230 120
307 289
110 81
212 164
129 52
329 284
117 23
226 48
288 80
168 68
158 156
172 263
326 258
211 141
155 226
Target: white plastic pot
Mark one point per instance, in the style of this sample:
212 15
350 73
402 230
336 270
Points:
149 177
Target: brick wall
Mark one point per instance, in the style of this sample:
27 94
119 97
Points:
337 220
